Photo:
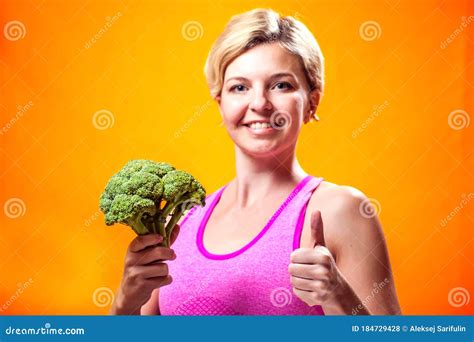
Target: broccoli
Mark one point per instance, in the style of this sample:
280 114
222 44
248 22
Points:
150 197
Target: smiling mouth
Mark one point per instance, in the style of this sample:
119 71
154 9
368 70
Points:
258 125
261 128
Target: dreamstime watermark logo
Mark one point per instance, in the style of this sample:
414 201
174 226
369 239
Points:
21 110
377 287
370 30
14 208
465 22
14 30
21 287
190 205
465 199
370 207
458 119
200 110
281 297
46 330
377 110
280 119
103 297
91 219
109 22
103 119
192 30
458 296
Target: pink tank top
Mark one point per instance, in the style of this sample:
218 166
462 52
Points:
253 280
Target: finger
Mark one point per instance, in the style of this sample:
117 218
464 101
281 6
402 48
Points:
174 234
308 271
317 255
159 281
311 298
317 230
306 284
143 241
155 254
304 295
152 271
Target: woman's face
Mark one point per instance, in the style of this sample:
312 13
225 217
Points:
265 100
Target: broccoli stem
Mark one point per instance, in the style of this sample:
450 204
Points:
138 226
170 205
150 224
178 212
159 227
162 230
175 207
168 208
152 228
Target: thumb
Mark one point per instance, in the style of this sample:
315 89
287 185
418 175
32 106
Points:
317 230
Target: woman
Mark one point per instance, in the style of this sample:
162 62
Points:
273 241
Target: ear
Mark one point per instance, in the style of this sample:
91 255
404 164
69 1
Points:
218 100
314 99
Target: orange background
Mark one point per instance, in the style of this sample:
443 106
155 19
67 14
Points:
148 73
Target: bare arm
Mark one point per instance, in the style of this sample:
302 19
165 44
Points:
361 255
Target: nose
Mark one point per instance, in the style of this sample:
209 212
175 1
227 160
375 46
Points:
260 102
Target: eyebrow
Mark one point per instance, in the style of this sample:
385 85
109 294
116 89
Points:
274 76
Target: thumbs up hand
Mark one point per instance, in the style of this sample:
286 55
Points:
314 274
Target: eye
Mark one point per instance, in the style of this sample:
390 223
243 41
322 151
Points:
237 88
283 85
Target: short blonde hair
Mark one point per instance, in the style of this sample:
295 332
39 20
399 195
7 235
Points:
260 26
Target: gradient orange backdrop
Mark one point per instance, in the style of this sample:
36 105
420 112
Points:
394 123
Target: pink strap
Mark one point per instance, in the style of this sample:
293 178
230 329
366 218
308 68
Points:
300 222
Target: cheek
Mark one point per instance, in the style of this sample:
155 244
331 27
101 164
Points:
293 104
232 110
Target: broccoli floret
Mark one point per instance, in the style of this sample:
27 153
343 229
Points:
150 197
129 210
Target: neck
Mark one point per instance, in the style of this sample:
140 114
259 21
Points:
260 177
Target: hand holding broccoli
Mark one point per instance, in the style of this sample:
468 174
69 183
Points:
144 272
150 197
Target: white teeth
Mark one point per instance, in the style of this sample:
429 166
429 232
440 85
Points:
259 125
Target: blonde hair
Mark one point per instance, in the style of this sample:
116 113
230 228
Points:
259 26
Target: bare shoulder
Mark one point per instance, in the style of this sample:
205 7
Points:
337 201
342 211
337 194
355 238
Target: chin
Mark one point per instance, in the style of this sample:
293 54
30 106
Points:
263 149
